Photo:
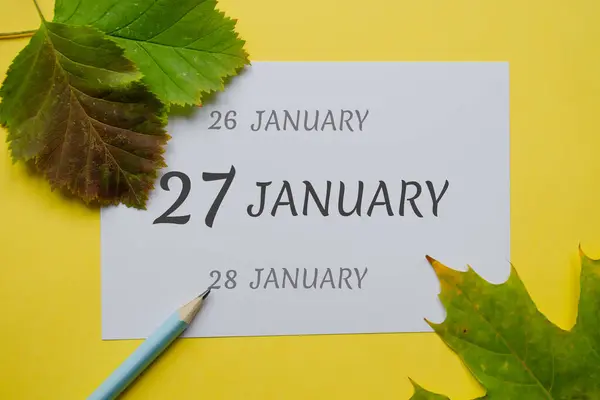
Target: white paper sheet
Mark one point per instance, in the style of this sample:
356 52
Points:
390 122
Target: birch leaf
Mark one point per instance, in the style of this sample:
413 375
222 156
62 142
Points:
510 347
75 109
184 48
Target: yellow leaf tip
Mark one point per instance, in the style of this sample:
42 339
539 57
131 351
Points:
438 267
582 253
584 257
414 384
431 324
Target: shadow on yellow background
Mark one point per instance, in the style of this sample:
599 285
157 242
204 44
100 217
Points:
49 248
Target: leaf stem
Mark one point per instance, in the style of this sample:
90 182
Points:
22 34
39 10
16 35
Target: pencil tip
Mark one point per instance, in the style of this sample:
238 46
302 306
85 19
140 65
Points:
205 294
189 311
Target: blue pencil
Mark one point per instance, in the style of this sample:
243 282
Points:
149 350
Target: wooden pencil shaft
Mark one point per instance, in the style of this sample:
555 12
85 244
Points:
148 351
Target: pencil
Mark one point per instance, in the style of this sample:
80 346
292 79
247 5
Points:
149 350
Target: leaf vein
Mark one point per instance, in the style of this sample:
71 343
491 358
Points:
525 367
479 346
190 64
119 103
205 34
88 164
104 13
135 19
86 65
23 84
108 145
161 68
121 170
582 326
69 40
220 52
78 103
509 382
64 140
184 48
116 127
178 20
46 96
74 11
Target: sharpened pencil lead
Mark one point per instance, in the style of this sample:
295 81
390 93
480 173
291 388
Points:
205 294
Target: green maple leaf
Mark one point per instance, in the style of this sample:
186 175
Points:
74 109
510 347
423 394
184 48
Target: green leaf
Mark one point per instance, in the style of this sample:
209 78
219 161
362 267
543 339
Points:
510 347
75 109
422 394
588 317
184 48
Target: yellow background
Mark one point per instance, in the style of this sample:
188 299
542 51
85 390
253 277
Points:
49 247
